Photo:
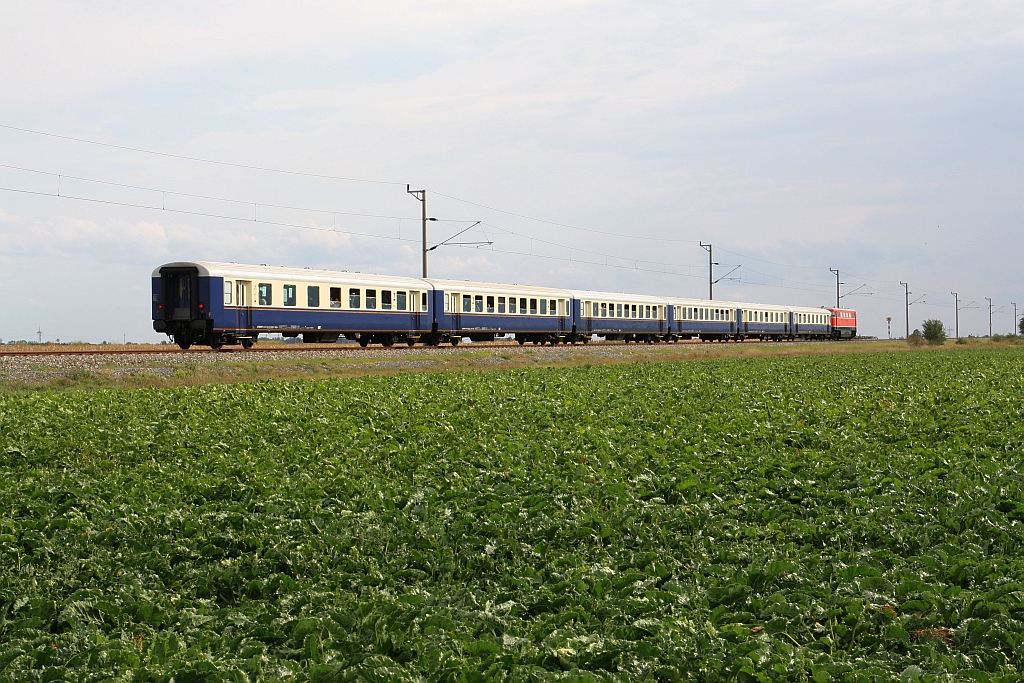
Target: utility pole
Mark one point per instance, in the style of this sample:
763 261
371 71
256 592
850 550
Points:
711 271
888 326
1014 317
989 315
956 307
906 300
40 333
421 196
836 271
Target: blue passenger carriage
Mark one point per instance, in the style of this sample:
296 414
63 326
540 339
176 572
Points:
481 311
226 303
627 317
704 320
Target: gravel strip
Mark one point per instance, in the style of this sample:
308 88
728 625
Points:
37 369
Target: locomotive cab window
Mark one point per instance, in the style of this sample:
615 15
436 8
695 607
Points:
353 298
313 296
228 288
265 294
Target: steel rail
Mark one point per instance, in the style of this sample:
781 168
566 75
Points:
355 348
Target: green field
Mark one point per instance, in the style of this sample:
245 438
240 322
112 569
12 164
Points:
820 518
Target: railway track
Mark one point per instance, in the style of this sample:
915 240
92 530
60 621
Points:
310 348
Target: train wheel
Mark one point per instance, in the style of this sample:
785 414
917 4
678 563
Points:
388 340
247 343
364 341
454 341
217 344
410 341
521 341
182 341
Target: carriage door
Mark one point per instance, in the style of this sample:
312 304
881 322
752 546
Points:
456 304
563 310
414 311
243 303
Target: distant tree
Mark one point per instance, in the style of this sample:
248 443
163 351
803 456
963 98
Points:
934 331
1020 325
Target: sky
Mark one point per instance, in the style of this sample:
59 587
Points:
597 144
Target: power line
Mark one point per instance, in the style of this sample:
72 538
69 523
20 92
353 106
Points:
261 221
203 214
200 159
324 176
564 225
198 196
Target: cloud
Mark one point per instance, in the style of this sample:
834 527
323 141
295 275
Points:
69 237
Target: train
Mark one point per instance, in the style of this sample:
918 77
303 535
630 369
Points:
219 304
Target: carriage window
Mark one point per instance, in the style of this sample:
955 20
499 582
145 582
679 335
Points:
552 306
336 297
289 295
501 304
424 304
467 303
543 306
266 294
533 307
400 300
618 310
353 298
595 313
227 292
313 297
478 303
604 310
522 306
511 304
371 298
385 299
490 304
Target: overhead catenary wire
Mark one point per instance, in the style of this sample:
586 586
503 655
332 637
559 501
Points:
259 221
326 176
183 157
